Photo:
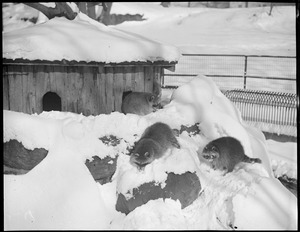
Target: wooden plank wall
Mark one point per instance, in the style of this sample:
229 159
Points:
86 89
5 88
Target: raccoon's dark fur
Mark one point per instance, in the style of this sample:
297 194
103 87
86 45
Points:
225 152
153 144
138 103
141 103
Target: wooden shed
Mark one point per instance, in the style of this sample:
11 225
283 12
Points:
79 87
79 66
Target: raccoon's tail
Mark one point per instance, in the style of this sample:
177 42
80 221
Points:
252 160
175 142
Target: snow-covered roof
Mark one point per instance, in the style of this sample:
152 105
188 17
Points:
83 39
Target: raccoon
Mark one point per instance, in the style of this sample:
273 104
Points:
153 144
141 103
138 103
225 152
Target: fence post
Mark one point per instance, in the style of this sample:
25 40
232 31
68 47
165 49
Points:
163 77
245 72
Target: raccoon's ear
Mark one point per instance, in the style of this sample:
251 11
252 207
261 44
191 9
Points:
136 154
147 154
215 150
176 132
151 98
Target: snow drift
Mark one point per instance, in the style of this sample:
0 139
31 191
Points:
215 31
60 192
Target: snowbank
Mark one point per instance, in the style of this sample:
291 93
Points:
83 39
255 208
60 192
218 117
200 30
194 29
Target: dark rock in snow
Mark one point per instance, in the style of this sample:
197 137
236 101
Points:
14 171
191 130
102 169
16 156
289 183
185 187
110 140
18 160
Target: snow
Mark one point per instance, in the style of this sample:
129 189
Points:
12 15
66 189
246 31
240 31
218 116
249 209
283 162
215 31
60 192
60 38
156 219
62 184
131 177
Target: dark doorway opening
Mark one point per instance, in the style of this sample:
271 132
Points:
51 101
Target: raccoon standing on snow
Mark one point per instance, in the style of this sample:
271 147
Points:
225 153
153 144
141 103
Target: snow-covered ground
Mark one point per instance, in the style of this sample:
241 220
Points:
239 31
248 198
246 31
60 193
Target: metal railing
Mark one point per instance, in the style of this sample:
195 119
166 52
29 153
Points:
265 106
263 88
271 73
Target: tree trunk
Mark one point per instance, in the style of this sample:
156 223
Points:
91 12
82 7
105 14
271 8
165 4
88 8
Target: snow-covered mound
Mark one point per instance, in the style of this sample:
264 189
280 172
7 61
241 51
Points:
83 39
60 192
218 117
194 29
215 31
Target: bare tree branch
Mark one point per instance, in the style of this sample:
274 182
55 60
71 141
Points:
61 10
66 10
105 7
